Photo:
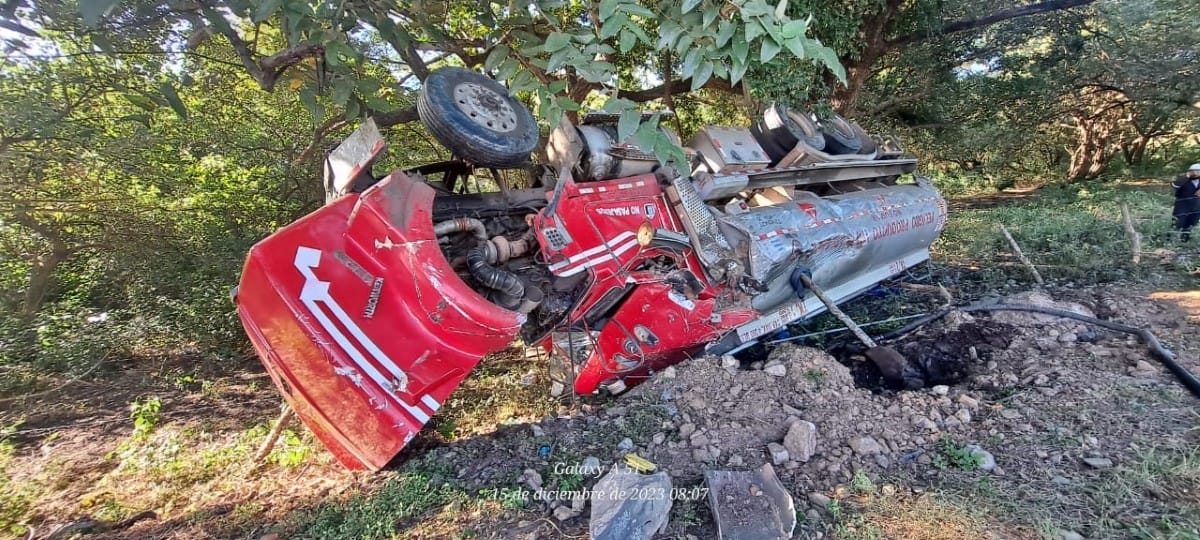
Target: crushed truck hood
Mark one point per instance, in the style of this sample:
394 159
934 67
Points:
362 323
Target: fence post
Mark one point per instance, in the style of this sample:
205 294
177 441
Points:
1135 238
1021 255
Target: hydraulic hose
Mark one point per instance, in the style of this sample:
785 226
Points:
504 282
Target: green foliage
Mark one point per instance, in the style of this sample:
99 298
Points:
145 415
816 375
953 455
290 450
861 483
1075 96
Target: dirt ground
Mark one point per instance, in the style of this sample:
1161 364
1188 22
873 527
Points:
1086 436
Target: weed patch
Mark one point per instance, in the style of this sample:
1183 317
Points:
952 455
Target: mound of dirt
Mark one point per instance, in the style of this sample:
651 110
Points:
725 416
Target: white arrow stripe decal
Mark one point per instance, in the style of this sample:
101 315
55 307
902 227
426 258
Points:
586 254
316 291
607 257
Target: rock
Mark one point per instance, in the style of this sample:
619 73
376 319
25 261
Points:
1010 414
819 500
556 389
701 455
537 431
669 372
1098 462
1068 337
924 423
777 370
736 461
591 467
779 454
963 416
1069 535
940 390
866 446
1144 366
987 461
730 363
686 430
1060 481
801 440
271 536
532 478
625 445
698 440
659 438
564 513
968 402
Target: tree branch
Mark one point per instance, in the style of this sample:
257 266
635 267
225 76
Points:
382 120
963 25
674 87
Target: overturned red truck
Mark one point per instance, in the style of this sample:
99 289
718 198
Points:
369 312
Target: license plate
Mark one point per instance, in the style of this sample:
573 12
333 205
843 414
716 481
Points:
772 322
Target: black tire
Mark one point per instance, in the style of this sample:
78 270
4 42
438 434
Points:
768 143
790 127
841 136
869 145
476 118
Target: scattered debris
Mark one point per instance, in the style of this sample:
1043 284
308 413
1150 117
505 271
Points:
625 505
750 505
1098 462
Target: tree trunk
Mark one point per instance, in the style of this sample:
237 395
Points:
873 34
41 277
1092 152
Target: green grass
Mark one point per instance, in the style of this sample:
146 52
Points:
16 499
1071 232
415 491
1155 497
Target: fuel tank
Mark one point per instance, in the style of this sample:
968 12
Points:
833 238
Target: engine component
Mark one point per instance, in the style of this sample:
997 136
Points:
509 287
605 158
472 225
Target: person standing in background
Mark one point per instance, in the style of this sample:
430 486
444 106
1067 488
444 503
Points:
1187 201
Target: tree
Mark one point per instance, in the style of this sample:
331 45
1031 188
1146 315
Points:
557 52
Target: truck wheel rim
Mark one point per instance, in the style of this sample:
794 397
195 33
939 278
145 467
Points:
485 107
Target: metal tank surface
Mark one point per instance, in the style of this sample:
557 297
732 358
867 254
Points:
834 238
